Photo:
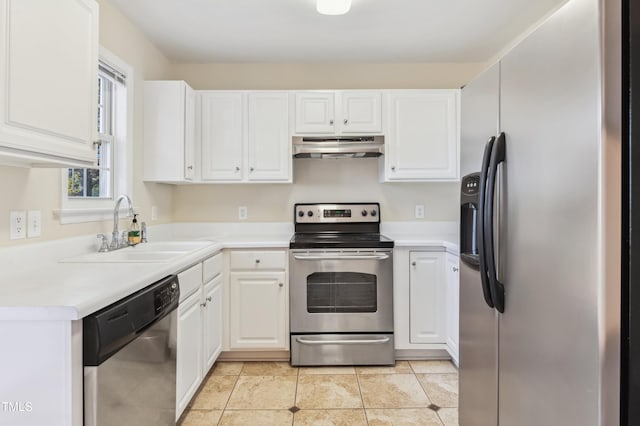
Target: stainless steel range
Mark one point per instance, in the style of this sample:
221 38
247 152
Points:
341 286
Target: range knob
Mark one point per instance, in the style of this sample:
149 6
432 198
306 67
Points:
300 213
309 213
364 212
374 213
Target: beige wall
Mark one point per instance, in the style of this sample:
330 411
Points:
39 189
316 180
327 75
340 180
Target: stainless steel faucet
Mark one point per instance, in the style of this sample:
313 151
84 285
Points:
115 235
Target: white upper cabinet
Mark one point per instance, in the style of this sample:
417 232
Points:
169 131
422 135
358 111
315 112
245 136
222 136
48 82
269 140
361 112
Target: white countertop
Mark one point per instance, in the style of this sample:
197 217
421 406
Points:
34 285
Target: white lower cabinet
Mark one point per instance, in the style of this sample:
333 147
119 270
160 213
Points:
453 305
189 351
258 310
425 302
427 289
212 323
199 337
258 300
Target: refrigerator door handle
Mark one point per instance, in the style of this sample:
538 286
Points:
497 157
482 258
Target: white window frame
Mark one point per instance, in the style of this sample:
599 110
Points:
79 210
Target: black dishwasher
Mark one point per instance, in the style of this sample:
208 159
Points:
129 356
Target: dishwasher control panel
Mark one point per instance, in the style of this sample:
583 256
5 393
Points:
166 295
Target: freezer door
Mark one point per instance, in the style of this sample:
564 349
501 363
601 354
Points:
478 391
550 112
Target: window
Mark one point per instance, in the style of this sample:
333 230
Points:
88 193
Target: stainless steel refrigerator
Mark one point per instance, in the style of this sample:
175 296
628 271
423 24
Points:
540 227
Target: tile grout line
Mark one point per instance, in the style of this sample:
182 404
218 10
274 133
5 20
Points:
230 393
295 398
364 409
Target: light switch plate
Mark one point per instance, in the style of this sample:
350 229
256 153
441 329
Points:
17 224
34 223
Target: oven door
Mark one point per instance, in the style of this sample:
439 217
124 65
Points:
341 291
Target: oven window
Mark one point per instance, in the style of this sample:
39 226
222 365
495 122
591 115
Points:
344 292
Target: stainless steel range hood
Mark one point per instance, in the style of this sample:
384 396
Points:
338 146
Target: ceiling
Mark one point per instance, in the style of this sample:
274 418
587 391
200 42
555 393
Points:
206 31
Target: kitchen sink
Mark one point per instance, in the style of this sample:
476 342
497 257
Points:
161 251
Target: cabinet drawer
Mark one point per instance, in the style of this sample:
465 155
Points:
258 260
211 267
190 281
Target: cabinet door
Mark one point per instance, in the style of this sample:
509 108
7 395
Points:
315 112
361 112
422 141
258 310
189 351
212 322
189 133
222 136
427 295
453 305
169 131
269 141
48 76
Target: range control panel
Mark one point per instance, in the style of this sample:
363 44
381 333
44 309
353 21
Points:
337 213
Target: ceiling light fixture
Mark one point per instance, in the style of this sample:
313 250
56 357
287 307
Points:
333 7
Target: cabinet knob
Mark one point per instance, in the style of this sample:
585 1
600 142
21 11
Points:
208 299
203 304
346 121
190 167
280 284
251 169
237 169
413 263
455 269
331 122
257 261
393 168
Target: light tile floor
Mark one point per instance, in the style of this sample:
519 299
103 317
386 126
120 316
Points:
274 393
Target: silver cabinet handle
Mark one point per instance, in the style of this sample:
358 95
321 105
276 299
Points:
304 341
346 121
393 168
342 257
203 304
237 169
257 261
331 122
251 169
455 269
208 299
190 167
280 284
413 263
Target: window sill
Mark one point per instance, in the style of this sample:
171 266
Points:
68 216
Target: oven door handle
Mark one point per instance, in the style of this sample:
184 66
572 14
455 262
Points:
380 340
342 257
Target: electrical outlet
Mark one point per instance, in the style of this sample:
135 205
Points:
34 223
242 213
154 212
419 211
17 224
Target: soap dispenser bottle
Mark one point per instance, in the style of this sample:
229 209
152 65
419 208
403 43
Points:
134 231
